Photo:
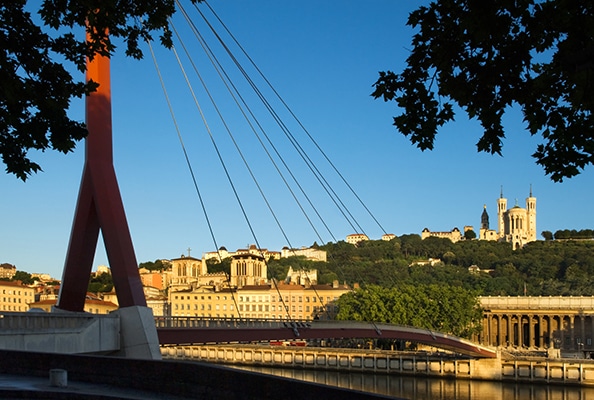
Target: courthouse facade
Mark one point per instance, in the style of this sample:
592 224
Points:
540 323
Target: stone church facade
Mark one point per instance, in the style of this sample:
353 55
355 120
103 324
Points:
515 225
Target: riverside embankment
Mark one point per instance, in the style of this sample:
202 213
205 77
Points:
438 365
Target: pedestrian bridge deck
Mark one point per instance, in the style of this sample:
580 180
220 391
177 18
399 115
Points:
191 330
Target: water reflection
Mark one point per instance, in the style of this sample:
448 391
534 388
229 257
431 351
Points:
433 389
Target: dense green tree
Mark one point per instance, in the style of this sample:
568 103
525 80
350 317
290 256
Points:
486 56
23 277
214 265
547 235
101 283
157 265
448 309
469 234
32 59
574 234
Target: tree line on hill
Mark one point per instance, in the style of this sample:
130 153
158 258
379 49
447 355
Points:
540 268
565 234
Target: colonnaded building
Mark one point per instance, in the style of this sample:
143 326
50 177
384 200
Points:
515 225
538 323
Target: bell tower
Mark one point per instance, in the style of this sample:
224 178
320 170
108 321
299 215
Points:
531 216
501 210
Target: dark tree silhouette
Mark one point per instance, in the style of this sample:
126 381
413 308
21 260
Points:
486 56
37 89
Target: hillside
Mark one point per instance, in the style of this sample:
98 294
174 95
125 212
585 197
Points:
541 268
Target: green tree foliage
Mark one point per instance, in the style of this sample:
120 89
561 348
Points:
157 265
443 308
486 56
32 59
23 277
214 265
469 234
540 267
547 235
100 283
574 234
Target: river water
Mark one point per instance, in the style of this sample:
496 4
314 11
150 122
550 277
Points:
432 389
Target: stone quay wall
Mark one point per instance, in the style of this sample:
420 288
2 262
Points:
533 370
189 380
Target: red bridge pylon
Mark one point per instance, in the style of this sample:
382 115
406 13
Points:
99 207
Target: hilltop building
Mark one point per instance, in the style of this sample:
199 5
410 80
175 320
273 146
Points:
516 225
454 235
355 238
308 252
7 270
222 253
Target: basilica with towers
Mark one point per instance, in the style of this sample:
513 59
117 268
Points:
515 225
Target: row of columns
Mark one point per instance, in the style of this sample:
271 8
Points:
538 331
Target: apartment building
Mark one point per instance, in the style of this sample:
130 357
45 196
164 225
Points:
15 297
281 302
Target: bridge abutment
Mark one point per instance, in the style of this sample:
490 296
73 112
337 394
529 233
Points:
138 333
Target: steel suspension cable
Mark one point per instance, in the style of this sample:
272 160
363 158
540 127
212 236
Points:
213 141
226 79
341 176
229 84
273 113
187 159
306 159
249 169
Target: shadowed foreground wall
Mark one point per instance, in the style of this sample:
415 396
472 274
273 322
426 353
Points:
187 379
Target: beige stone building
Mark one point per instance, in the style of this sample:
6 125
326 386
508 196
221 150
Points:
248 269
307 252
355 238
515 225
206 302
222 253
15 297
284 302
7 271
302 277
185 271
538 323
454 235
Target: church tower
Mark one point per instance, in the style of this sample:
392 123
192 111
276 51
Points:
501 211
517 225
485 218
531 212
485 233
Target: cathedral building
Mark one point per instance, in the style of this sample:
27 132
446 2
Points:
515 225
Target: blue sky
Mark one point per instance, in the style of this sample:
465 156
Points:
322 57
